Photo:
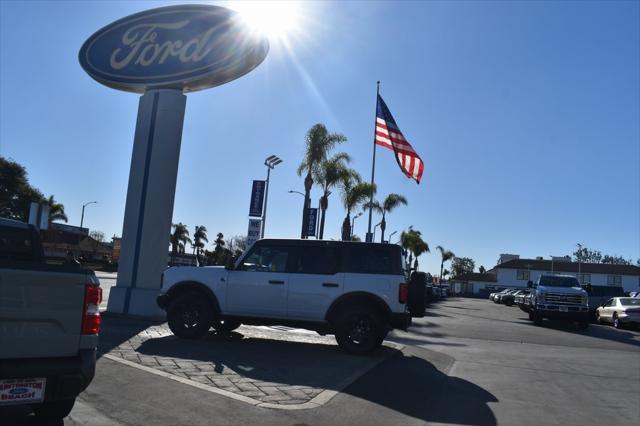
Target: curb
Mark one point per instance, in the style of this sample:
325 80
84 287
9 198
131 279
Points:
318 401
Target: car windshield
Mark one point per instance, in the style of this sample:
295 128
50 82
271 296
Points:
629 301
557 281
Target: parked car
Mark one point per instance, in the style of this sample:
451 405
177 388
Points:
600 294
620 311
524 302
559 297
437 292
499 296
49 325
356 291
520 297
510 298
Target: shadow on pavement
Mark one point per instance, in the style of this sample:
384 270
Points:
597 331
406 382
276 361
412 385
118 329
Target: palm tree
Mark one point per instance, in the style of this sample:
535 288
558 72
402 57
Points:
390 202
446 255
178 239
329 174
414 246
354 193
318 143
199 239
56 210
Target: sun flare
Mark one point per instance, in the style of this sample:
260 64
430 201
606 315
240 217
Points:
274 19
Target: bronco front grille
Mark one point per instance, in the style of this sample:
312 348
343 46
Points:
563 299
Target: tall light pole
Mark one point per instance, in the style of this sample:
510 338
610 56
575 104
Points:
271 162
83 206
579 245
391 235
353 223
374 232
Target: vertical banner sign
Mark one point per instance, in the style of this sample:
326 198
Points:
257 198
253 234
312 217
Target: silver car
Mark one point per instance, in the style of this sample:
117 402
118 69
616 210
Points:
619 311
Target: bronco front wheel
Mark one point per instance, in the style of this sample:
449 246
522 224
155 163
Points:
190 316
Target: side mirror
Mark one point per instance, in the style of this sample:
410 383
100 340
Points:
530 284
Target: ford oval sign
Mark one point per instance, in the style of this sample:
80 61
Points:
189 47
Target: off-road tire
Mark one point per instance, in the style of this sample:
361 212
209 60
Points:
359 330
190 315
53 411
417 289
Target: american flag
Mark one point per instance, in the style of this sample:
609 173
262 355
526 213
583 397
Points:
389 135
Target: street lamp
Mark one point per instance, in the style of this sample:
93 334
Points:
391 235
271 162
374 231
353 223
83 206
579 245
296 192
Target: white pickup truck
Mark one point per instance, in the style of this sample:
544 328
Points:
357 291
559 297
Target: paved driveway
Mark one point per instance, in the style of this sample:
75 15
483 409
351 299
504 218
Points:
467 362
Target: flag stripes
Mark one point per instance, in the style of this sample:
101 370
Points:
389 136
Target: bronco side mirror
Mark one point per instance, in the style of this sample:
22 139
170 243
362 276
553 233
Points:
530 284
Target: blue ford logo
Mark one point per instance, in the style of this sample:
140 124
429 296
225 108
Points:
18 391
189 47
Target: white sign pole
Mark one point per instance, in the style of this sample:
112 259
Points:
149 208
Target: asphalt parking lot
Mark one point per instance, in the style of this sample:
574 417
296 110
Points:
468 361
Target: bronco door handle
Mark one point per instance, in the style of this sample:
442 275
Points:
276 282
329 285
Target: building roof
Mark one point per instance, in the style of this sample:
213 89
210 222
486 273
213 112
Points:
558 266
474 276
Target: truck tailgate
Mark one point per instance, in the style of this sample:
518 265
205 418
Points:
41 311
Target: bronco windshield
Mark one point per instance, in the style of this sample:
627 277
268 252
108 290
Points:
556 281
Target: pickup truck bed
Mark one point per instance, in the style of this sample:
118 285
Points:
49 321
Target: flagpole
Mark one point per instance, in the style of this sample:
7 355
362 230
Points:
369 237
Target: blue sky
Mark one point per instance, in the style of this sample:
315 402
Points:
525 113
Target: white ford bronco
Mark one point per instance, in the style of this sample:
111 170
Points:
356 291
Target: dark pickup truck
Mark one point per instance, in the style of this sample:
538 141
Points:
49 325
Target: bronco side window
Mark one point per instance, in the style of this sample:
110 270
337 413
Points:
266 259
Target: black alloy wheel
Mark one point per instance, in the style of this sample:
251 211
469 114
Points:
359 331
190 316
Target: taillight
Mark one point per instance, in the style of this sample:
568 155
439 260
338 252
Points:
91 314
403 293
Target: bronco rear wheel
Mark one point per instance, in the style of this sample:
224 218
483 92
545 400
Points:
190 316
359 330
